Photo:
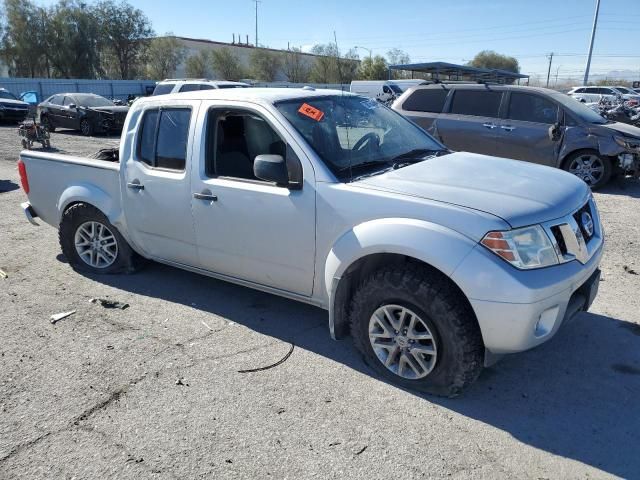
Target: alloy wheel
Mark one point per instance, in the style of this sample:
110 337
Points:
402 341
588 167
96 244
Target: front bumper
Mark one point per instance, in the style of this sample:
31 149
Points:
519 309
11 114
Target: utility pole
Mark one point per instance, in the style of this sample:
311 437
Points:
549 71
593 36
256 2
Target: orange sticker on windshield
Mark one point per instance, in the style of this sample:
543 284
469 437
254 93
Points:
311 112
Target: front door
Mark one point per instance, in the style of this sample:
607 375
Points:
157 190
247 228
524 133
471 125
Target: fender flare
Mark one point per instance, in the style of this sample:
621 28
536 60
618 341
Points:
92 195
418 239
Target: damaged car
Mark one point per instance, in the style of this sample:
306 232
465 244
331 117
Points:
525 123
85 112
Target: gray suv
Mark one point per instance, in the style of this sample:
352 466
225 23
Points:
525 123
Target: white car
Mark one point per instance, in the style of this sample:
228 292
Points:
594 94
178 85
434 261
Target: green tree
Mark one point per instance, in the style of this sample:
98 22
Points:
163 56
295 66
226 64
264 64
197 66
373 68
349 65
491 59
325 66
71 37
22 47
125 32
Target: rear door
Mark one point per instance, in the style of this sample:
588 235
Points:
54 108
157 190
472 121
524 133
424 107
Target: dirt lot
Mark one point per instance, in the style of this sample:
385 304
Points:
154 391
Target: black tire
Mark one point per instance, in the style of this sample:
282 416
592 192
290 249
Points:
126 261
86 127
46 123
433 297
601 180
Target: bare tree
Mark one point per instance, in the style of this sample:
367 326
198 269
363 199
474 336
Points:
295 66
197 66
264 64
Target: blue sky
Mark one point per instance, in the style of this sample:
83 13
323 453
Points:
429 30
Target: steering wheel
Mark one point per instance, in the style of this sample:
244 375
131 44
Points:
368 138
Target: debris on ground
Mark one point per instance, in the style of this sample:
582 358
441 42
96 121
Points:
630 270
59 316
182 382
279 362
205 324
106 303
362 450
3 274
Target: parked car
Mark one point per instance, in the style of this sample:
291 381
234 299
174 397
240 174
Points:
594 94
12 109
434 261
175 85
86 112
382 90
525 123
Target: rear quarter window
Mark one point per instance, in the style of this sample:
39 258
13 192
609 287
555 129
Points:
426 100
163 88
479 103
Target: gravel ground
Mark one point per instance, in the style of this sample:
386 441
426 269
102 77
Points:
154 391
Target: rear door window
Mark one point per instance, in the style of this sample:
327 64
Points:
163 138
479 103
426 100
532 108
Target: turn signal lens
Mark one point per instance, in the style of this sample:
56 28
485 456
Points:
524 248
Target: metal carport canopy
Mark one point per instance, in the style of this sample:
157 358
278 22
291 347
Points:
453 70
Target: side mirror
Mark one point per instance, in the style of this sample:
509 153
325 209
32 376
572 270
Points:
271 168
555 132
72 106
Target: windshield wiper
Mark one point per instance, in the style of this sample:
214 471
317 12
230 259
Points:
418 154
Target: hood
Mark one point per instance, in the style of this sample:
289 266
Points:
13 103
518 192
114 109
624 128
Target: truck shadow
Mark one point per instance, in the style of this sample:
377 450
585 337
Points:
576 396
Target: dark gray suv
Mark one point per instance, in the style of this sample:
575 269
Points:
525 123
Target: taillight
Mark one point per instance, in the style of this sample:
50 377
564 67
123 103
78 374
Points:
22 170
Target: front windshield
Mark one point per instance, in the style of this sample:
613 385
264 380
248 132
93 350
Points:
7 95
579 109
349 132
93 101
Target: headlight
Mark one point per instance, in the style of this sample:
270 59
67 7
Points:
627 142
524 248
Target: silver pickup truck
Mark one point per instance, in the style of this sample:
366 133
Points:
435 262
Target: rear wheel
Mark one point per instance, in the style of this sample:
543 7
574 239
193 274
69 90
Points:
46 123
92 244
413 327
590 166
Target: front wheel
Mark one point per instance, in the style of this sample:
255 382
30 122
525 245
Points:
413 327
92 244
86 128
590 166
46 123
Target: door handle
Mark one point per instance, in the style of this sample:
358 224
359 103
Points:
490 126
508 128
206 196
135 185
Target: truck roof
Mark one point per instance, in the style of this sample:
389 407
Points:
259 95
